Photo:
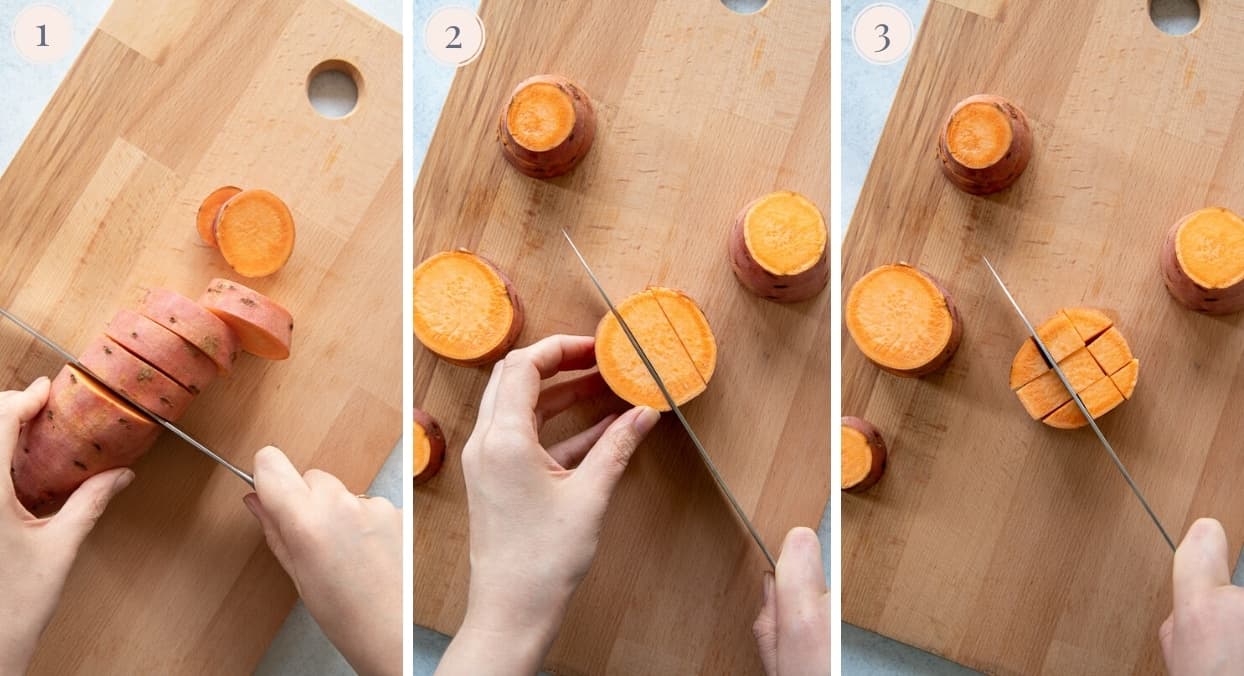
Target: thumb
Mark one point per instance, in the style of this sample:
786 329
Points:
765 628
83 509
609 457
1201 562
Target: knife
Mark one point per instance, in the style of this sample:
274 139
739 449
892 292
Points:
1075 396
73 361
669 399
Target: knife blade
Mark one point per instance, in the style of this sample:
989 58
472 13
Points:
1075 396
64 354
669 399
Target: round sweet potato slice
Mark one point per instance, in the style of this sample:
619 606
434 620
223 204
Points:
119 369
264 328
195 324
163 349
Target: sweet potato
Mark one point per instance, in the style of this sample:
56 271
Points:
119 369
1203 261
193 323
205 220
429 447
163 349
778 248
903 320
547 126
465 310
863 454
255 233
677 339
82 431
985 144
1105 356
263 327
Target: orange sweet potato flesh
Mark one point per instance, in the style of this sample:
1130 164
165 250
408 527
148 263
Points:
1060 338
1100 398
1203 261
82 431
1046 393
255 233
205 220
985 144
778 248
1111 351
1126 377
1088 322
264 328
547 126
676 337
163 349
903 320
121 370
465 310
193 323
429 447
863 454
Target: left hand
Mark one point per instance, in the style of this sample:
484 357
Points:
36 554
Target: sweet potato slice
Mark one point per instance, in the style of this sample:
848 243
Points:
429 447
1203 261
1061 337
547 126
863 454
264 328
656 316
778 248
465 310
1126 377
255 233
1046 393
903 321
1100 398
205 220
1111 350
163 349
83 430
195 324
119 369
985 144
1088 322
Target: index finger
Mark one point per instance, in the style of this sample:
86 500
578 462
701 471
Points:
1201 561
518 388
280 487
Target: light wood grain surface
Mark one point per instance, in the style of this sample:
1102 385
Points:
700 111
995 540
166 102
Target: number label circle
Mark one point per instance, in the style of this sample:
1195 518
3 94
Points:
882 33
454 36
42 33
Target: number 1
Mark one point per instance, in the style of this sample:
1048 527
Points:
43 35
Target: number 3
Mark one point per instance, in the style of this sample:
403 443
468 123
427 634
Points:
883 33
453 42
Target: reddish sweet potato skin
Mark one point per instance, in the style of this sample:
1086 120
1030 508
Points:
516 326
777 288
123 372
873 437
561 159
72 439
233 302
1190 294
195 324
163 349
436 440
952 344
1003 173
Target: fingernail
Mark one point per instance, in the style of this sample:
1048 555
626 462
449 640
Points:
768 587
249 501
123 480
645 420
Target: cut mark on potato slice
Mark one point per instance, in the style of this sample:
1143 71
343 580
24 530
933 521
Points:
979 135
1099 398
1126 377
1209 246
1111 350
785 233
624 371
692 329
1046 393
1088 322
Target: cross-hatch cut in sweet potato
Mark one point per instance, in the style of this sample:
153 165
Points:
778 247
1203 261
902 320
979 134
676 337
541 116
465 310
863 454
205 220
429 447
255 233
1100 367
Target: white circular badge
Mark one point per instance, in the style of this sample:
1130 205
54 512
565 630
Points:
454 36
882 33
42 33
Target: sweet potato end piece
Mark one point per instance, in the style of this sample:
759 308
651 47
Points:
785 233
540 116
429 447
901 320
979 134
863 454
1209 246
209 210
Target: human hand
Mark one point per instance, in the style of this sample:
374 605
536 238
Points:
344 554
1202 634
37 554
792 629
535 512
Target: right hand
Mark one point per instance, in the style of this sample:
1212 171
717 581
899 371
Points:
344 554
1204 633
792 630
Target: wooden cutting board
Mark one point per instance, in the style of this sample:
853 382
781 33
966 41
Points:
700 110
166 102
994 540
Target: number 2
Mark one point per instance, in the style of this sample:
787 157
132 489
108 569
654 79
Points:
453 42
43 35
883 33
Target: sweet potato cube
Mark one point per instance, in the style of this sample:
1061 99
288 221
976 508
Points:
1047 393
1100 398
1111 350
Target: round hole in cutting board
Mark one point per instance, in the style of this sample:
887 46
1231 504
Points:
1175 17
745 6
334 88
